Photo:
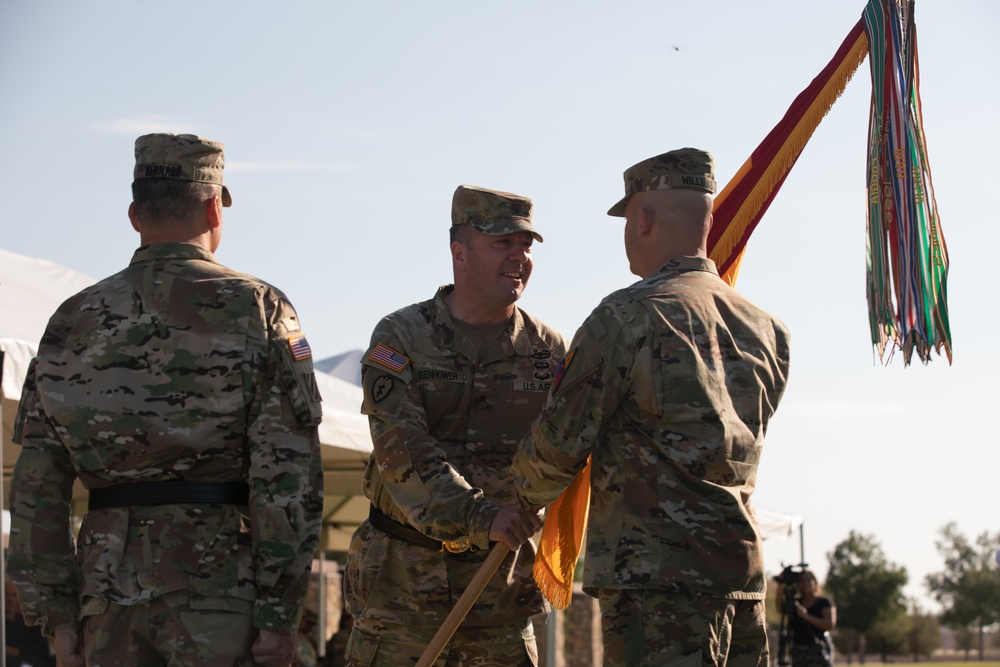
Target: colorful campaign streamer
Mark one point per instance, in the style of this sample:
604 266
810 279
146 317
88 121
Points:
906 247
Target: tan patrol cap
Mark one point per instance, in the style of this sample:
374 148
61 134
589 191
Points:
682 168
492 212
184 157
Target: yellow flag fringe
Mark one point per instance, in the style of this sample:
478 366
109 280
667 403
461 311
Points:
562 539
733 236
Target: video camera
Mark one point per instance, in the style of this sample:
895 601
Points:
789 576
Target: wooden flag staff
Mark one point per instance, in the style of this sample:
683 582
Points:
464 604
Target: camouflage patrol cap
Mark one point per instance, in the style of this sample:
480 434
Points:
682 168
491 211
184 157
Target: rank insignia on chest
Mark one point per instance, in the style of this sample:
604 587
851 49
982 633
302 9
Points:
388 357
300 347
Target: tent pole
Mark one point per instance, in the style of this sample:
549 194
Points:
802 542
555 637
3 547
321 603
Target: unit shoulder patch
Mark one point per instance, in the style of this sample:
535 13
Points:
382 387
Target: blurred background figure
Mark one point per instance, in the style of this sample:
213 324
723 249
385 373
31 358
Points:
24 646
815 617
306 654
336 648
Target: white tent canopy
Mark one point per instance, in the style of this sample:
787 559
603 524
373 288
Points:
30 291
777 525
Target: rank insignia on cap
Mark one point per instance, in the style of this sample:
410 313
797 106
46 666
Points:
389 358
300 347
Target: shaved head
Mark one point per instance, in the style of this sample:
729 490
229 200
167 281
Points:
686 208
663 224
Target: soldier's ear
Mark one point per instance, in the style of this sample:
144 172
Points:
213 211
646 218
457 252
133 217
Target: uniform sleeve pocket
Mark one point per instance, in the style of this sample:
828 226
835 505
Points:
102 543
28 392
300 382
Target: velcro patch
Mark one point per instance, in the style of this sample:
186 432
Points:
313 388
299 347
388 357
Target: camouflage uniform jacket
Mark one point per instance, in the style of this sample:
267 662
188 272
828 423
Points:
176 368
668 385
444 430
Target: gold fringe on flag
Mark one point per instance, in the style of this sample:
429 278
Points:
765 174
562 539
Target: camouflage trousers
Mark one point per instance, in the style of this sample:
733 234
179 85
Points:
818 654
646 627
179 629
377 644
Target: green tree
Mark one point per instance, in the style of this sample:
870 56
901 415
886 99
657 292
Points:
924 636
965 639
969 587
864 585
887 636
845 641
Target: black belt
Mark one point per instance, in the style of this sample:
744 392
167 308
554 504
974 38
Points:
169 493
400 531
411 535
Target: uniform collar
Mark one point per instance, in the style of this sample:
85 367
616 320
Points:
684 264
172 251
519 340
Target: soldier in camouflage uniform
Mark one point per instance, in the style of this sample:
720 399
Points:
181 394
669 385
450 386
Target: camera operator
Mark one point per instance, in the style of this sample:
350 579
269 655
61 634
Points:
813 617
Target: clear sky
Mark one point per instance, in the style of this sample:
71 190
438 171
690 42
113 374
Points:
348 126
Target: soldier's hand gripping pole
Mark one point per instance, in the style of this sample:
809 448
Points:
464 604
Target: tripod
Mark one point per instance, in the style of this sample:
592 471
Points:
785 633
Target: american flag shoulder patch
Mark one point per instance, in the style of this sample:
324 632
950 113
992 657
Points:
388 357
300 347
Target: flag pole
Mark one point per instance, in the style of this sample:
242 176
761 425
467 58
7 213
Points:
464 604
